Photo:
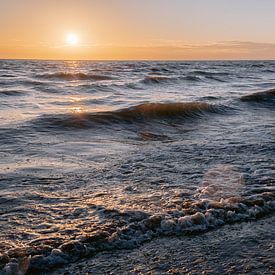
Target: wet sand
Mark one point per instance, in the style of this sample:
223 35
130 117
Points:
245 248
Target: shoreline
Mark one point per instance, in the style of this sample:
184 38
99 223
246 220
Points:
232 249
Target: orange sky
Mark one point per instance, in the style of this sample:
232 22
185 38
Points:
138 29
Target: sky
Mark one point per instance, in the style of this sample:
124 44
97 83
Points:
137 29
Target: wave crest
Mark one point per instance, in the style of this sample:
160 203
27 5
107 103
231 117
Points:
139 113
160 110
261 97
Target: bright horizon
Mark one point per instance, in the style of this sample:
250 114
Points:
137 30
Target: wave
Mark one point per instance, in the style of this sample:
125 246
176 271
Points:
192 78
260 97
8 75
268 71
156 79
200 75
129 229
11 93
210 97
258 65
159 79
207 73
216 79
139 113
146 135
166 110
75 76
155 69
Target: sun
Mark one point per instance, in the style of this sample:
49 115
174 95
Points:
72 39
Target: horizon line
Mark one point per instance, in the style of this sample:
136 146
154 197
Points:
134 60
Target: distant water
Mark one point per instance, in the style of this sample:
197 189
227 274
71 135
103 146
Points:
105 155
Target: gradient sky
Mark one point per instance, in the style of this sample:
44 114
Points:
138 29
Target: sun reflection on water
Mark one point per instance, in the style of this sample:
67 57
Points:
77 110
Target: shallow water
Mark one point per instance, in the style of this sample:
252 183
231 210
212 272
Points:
241 248
105 155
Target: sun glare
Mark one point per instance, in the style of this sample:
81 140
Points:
72 39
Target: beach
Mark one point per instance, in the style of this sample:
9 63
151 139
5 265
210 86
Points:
246 248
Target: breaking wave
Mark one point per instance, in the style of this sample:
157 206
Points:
129 229
139 113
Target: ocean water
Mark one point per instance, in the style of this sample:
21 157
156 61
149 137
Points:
101 156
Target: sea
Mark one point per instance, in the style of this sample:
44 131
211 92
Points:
106 155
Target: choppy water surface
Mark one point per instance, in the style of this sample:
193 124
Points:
105 155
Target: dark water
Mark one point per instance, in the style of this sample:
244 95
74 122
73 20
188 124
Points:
108 155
